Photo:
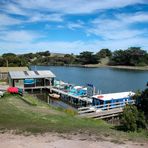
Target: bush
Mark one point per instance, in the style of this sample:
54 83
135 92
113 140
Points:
133 119
70 112
144 102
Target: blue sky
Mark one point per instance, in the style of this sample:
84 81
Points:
72 26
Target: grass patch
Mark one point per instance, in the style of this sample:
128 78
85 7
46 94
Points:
30 99
15 114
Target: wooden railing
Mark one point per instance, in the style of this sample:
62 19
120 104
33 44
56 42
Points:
104 107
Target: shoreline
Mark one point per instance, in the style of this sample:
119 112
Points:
143 68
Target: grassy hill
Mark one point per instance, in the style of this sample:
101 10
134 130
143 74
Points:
21 116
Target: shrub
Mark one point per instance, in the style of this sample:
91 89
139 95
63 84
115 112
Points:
144 102
70 112
133 119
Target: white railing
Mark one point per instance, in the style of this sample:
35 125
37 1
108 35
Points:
108 106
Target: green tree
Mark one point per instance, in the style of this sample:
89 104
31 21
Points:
144 102
10 59
2 62
69 59
136 56
119 58
132 119
133 56
87 57
103 53
43 53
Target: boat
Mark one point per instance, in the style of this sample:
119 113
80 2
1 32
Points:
54 96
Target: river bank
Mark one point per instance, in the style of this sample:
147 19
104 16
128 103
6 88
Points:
144 68
117 67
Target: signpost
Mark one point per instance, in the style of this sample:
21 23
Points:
90 90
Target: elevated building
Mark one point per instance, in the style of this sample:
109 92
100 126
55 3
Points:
31 79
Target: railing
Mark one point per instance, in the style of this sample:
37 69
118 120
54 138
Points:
104 107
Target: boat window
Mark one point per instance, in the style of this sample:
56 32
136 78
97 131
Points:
101 102
108 102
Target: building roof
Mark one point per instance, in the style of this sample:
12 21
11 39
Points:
114 96
7 69
31 74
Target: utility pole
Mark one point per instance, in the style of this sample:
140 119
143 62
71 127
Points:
7 64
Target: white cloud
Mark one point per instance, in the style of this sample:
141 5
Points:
6 20
30 15
118 27
133 18
39 17
66 6
12 8
76 6
73 47
21 36
115 32
75 25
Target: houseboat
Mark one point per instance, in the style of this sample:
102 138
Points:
112 100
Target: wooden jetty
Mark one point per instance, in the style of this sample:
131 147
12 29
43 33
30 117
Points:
102 112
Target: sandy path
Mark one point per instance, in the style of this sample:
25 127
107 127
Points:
8 140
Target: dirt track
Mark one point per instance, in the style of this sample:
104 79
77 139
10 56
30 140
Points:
8 140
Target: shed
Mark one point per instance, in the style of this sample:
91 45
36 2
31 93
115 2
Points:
33 79
4 71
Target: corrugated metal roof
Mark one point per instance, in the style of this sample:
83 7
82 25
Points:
7 69
31 74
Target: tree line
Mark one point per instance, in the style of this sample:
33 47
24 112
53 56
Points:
133 56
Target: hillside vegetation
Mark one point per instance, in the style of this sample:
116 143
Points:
133 56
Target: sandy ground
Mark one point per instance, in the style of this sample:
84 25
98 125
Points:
54 140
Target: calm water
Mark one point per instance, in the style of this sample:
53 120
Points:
105 79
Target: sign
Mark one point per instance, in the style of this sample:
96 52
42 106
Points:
90 90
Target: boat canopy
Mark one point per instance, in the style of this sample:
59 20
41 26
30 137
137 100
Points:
114 96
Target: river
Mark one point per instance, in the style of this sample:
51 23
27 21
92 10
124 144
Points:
106 80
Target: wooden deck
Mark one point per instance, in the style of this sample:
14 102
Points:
102 112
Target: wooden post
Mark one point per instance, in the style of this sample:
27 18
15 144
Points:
108 106
48 99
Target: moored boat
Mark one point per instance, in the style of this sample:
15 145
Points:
54 96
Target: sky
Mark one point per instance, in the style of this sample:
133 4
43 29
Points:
72 26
